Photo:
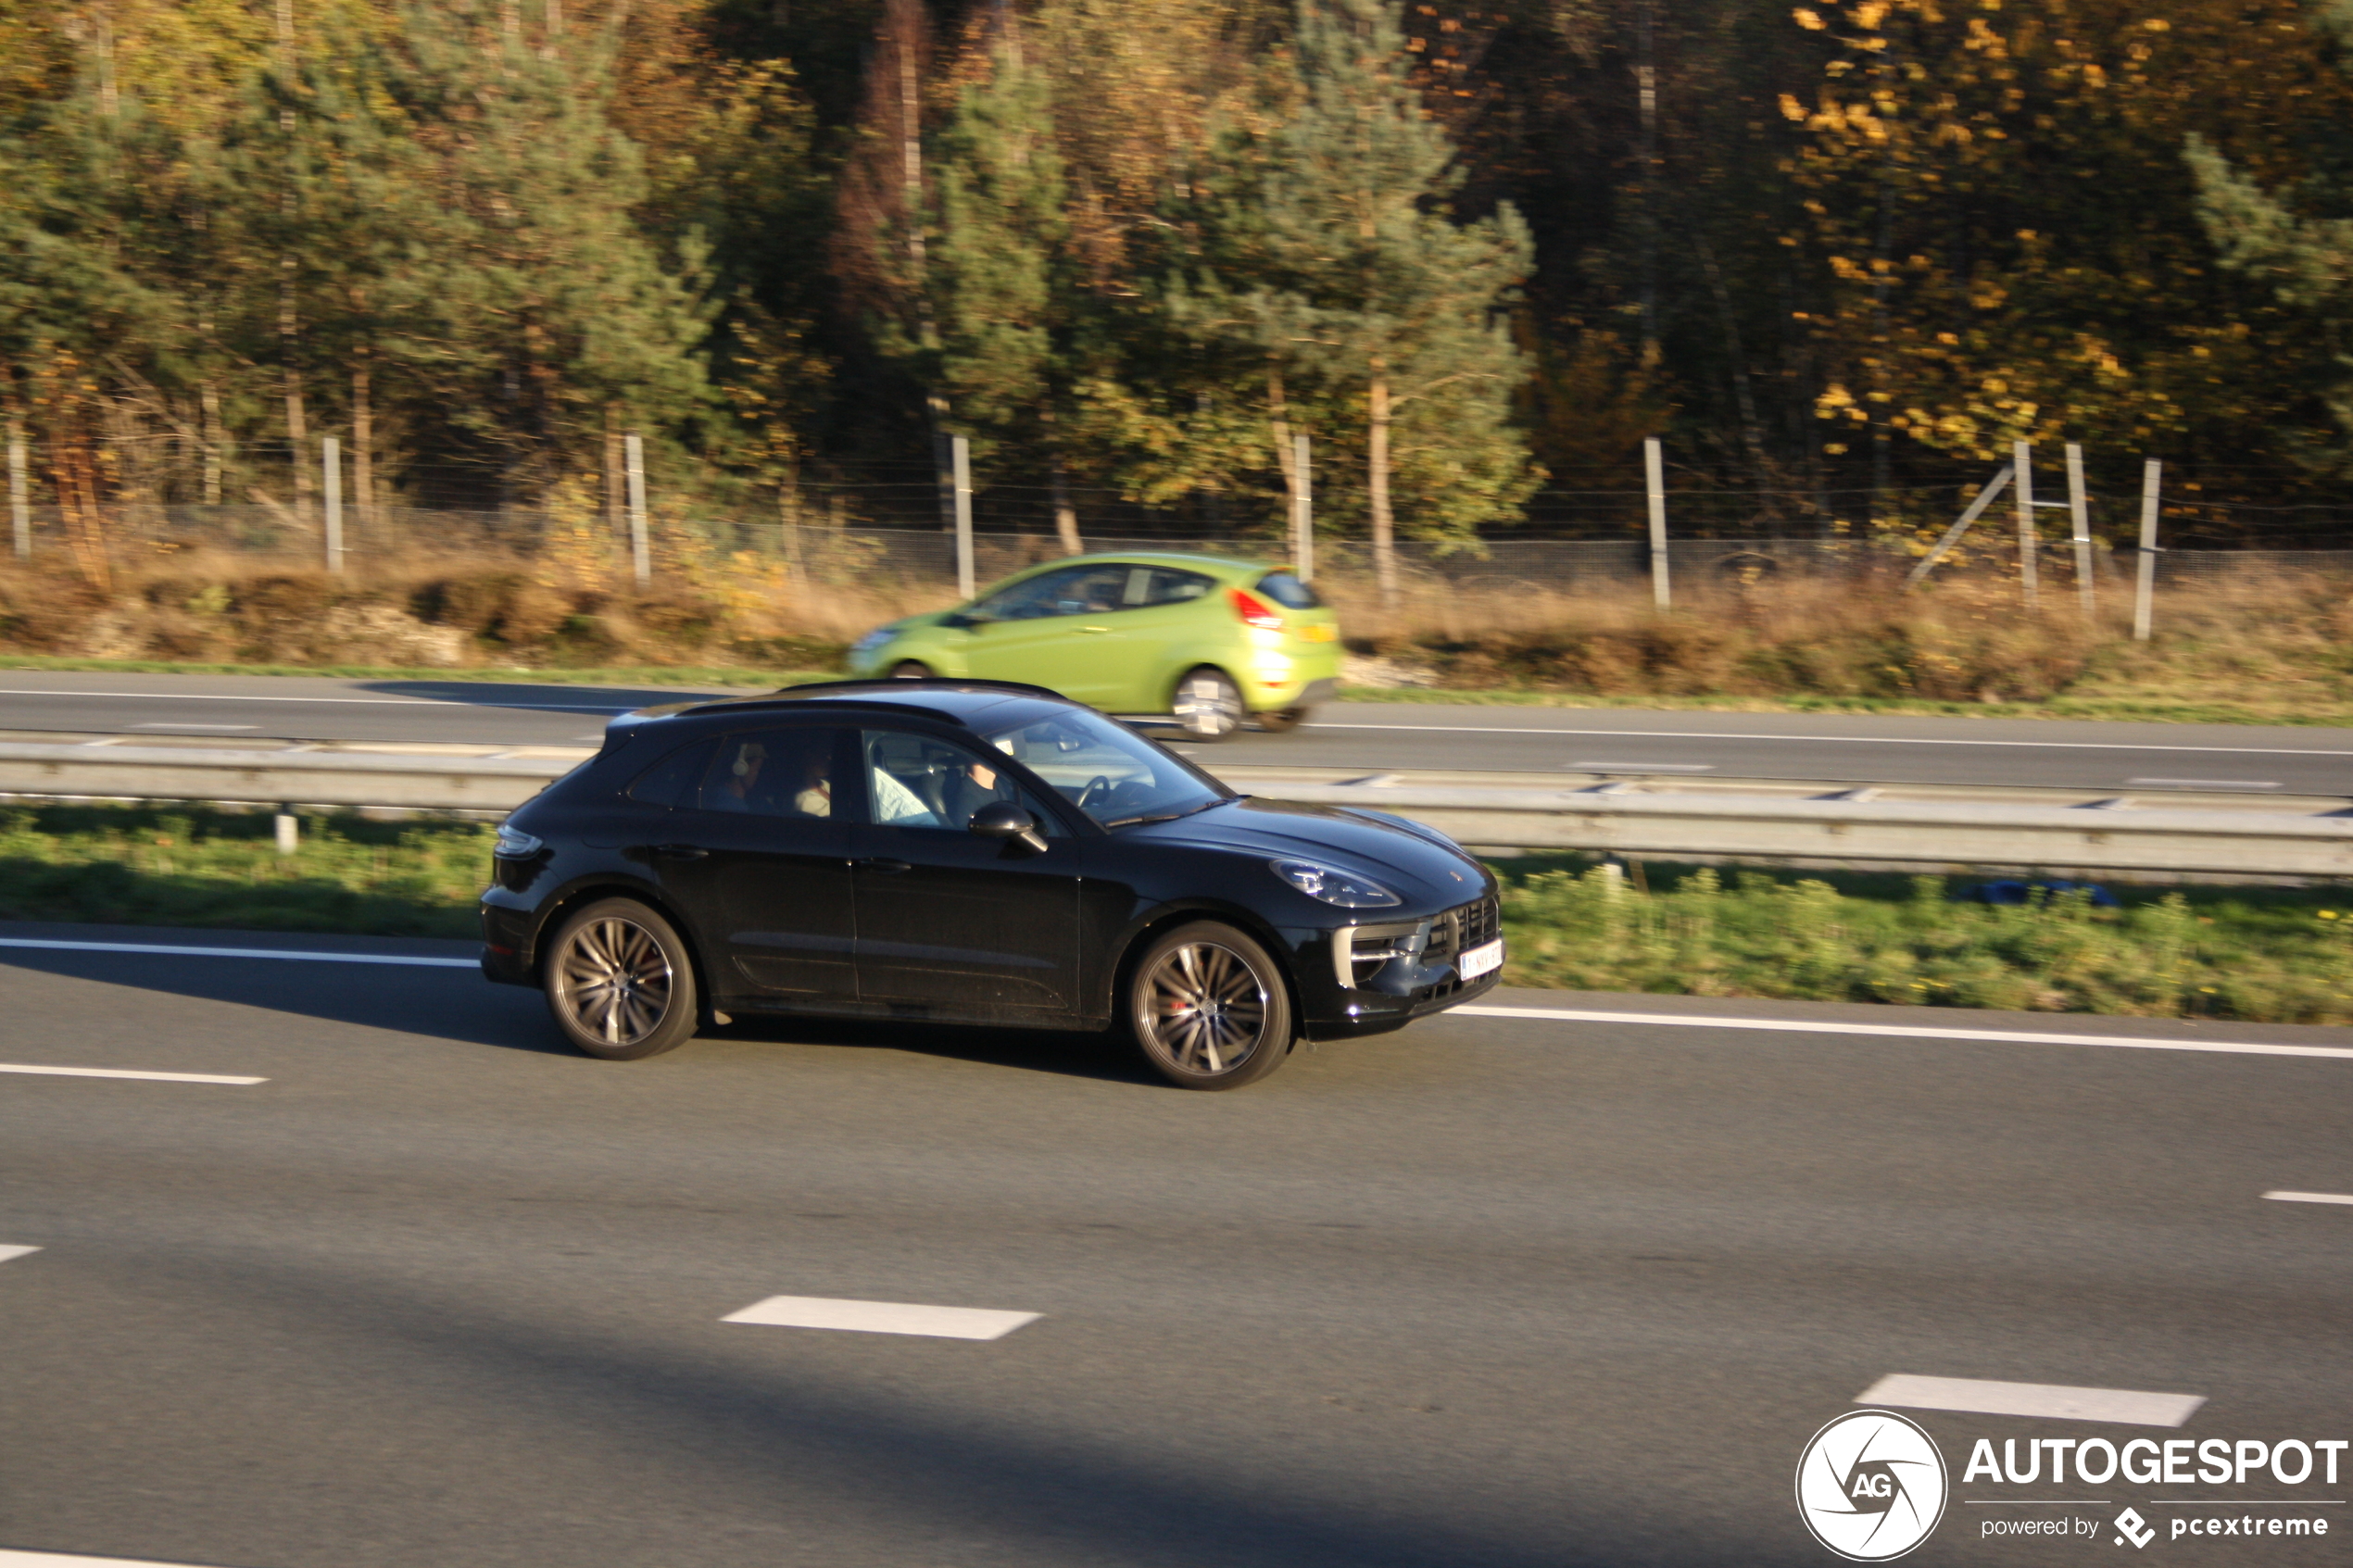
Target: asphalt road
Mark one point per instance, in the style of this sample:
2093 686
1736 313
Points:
1491 1293
1861 749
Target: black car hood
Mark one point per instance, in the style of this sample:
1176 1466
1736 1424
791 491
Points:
1410 865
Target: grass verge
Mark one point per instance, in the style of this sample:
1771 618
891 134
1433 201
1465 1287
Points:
2260 955
608 675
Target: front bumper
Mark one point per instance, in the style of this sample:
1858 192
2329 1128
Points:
1376 976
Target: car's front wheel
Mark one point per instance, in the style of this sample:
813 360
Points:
1208 1007
1208 705
620 981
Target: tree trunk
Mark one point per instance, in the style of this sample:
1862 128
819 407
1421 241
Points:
1065 515
363 442
1376 486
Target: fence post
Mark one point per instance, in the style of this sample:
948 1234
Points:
2029 540
19 504
961 461
330 477
1655 480
1976 510
633 459
2079 517
2145 565
1303 527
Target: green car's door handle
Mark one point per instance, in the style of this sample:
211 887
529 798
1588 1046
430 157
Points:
1094 628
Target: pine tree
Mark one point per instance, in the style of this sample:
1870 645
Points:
1350 273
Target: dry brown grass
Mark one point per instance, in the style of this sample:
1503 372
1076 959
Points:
2268 647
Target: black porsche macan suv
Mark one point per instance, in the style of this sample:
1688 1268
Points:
969 852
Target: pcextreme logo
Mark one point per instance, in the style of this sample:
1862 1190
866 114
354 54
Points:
1871 1486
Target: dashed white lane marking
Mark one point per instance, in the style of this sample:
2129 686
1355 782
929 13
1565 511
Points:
125 1072
2310 1196
883 1317
1829 740
1907 1031
58 1559
50 945
8 1252
2204 784
2050 1401
175 724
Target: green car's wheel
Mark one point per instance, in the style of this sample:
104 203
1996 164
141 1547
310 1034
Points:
908 670
1208 705
1282 720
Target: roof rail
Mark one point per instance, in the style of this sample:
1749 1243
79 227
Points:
889 682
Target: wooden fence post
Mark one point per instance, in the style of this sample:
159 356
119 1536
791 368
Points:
2145 565
641 560
2079 517
331 487
1655 482
960 458
2029 537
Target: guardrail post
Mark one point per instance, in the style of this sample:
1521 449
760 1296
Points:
2144 567
1654 481
960 458
640 551
289 831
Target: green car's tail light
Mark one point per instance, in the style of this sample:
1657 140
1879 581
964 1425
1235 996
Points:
1255 611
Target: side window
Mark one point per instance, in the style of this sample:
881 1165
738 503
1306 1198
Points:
672 781
773 773
1171 587
1093 590
914 780
1030 597
1288 590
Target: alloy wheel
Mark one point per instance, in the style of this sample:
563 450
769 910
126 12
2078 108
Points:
1205 1007
616 982
1208 705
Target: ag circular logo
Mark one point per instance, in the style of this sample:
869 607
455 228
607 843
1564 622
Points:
1870 1486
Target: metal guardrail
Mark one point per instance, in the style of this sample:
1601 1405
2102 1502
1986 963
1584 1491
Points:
1767 822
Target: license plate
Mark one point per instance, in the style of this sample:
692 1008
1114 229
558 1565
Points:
1479 960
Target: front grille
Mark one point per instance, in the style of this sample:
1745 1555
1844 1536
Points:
1458 931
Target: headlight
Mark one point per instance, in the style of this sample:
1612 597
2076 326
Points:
872 640
515 845
1344 888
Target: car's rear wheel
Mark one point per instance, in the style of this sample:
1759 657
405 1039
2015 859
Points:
1207 1007
1208 705
908 670
1282 720
621 982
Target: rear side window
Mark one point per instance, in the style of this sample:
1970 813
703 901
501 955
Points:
1288 590
773 773
672 781
1171 587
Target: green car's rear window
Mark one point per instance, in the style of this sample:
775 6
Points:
1288 590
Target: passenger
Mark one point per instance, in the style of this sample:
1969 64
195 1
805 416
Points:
734 793
816 796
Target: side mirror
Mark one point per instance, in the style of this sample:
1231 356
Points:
968 619
1002 819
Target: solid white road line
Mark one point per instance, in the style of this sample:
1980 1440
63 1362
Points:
8 1252
1907 1031
1829 740
359 701
125 1072
2310 1196
2051 1401
882 1317
58 1559
50 944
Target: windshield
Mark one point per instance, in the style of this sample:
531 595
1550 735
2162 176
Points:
1106 770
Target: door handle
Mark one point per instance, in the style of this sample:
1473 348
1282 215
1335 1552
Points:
681 852
888 867
1094 628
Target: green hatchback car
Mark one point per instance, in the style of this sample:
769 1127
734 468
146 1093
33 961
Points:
1213 641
